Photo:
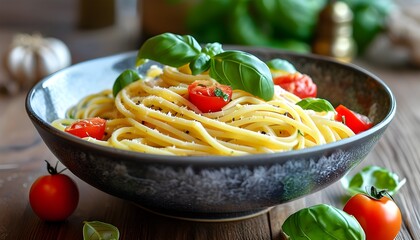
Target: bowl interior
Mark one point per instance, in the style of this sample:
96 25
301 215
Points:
53 96
339 83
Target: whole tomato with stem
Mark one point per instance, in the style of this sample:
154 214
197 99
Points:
377 213
54 197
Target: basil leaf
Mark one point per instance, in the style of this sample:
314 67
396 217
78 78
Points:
375 176
212 49
238 69
243 71
316 104
322 220
96 230
200 63
281 64
169 49
219 93
124 79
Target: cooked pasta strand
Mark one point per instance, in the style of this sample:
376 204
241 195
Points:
155 116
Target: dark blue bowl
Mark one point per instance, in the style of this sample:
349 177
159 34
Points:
211 187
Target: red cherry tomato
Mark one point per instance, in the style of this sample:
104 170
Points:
92 127
209 96
299 84
355 121
54 197
380 218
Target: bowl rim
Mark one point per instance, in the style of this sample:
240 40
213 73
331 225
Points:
213 160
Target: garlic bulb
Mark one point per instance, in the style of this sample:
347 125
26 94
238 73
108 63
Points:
32 57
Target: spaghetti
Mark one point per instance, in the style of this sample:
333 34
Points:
154 115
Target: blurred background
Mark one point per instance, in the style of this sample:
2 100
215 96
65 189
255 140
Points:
382 31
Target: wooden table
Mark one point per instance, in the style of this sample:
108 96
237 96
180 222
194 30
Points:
22 155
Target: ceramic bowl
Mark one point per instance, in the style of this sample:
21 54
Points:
211 187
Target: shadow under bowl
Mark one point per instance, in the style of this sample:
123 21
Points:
212 188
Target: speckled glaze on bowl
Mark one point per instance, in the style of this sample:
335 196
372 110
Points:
211 187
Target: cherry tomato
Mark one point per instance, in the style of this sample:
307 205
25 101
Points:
92 127
54 197
209 96
355 121
299 84
378 215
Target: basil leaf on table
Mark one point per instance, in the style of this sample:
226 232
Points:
96 230
241 70
124 79
376 176
316 104
322 220
169 49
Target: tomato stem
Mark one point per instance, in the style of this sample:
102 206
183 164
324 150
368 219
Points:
376 194
53 170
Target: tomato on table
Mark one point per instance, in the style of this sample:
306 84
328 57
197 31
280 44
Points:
297 83
355 121
209 96
54 197
92 127
378 214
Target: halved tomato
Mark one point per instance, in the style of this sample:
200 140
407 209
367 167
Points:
299 84
92 127
355 121
209 96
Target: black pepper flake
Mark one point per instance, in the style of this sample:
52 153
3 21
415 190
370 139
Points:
287 114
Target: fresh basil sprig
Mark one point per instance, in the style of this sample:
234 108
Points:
322 220
169 49
316 104
124 79
200 63
241 70
96 230
212 49
369 176
238 69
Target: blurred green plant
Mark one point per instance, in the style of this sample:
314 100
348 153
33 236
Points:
285 24
369 19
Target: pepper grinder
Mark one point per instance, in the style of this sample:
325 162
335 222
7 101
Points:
334 33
